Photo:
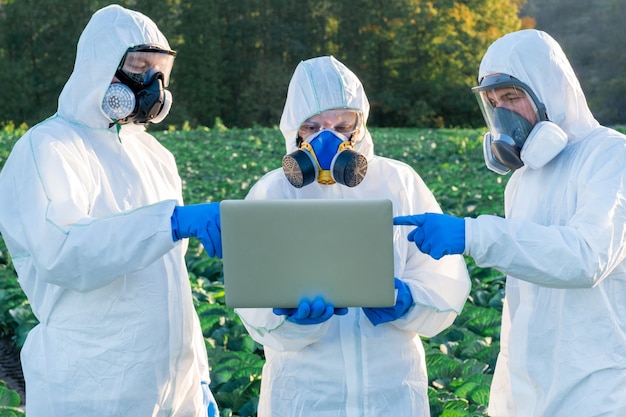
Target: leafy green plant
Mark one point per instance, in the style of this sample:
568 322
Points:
219 163
9 402
16 319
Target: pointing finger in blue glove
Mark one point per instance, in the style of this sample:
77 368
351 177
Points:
436 234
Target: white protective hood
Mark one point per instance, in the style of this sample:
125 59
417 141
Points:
537 60
562 246
333 86
101 47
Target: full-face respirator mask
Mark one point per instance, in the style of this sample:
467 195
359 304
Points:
519 131
327 155
140 96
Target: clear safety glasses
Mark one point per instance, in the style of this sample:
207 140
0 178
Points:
141 63
344 121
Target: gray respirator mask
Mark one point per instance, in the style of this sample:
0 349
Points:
510 131
140 97
514 141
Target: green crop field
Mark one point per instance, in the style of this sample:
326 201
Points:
220 163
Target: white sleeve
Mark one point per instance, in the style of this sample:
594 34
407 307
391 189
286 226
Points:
49 219
584 240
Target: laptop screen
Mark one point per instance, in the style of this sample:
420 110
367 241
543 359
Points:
275 252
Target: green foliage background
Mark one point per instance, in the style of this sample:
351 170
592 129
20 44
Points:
417 59
220 163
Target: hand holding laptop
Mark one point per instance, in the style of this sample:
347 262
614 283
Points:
404 301
311 312
318 310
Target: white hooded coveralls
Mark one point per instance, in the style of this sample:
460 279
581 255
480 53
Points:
85 213
563 248
347 367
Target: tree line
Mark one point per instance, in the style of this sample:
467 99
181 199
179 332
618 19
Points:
417 59
592 36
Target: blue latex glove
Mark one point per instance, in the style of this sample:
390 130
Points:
436 234
201 221
404 301
310 312
209 401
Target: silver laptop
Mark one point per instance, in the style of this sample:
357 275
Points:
275 252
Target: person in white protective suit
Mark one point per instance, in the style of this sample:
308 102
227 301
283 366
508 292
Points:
562 243
90 210
344 362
